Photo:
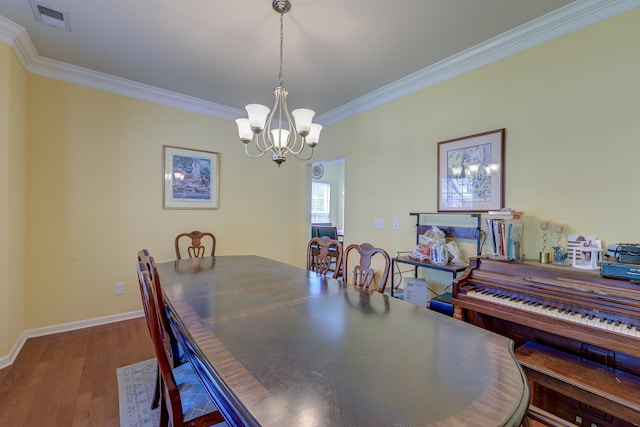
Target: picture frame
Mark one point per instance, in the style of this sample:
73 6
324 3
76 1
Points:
471 173
191 178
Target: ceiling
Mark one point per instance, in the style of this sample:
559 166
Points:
217 56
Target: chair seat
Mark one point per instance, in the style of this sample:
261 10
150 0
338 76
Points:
194 398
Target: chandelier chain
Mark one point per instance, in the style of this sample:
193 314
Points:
281 76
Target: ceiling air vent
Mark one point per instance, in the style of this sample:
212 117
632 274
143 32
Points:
48 16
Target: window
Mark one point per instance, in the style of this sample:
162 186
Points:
320 202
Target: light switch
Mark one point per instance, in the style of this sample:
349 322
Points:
396 224
379 224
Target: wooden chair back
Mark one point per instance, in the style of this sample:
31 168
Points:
196 244
171 412
324 256
362 273
170 342
143 263
142 267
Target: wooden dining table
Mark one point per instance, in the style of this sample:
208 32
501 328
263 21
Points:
277 345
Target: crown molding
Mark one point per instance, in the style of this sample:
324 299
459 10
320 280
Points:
19 40
574 16
9 30
94 79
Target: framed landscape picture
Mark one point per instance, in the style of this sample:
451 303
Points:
471 173
190 178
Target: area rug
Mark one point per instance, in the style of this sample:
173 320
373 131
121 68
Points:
136 384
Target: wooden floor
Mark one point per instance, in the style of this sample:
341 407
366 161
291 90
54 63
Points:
69 379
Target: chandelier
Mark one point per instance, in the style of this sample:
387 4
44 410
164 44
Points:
273 131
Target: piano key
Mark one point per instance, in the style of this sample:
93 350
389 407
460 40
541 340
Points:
599 321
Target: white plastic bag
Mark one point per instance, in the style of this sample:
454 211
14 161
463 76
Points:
423 250
431 247
439 252
456 255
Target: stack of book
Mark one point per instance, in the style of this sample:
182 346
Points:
505 214
504 234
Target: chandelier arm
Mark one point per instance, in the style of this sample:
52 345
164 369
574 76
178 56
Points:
267 136
295 144
303 158
253 156
263 140
293 135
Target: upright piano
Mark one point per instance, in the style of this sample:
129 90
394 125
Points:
577 334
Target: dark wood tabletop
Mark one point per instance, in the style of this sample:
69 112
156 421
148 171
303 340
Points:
277 345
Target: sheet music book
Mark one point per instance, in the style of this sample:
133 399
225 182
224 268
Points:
415 291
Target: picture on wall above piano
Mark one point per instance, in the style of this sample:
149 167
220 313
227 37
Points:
471 173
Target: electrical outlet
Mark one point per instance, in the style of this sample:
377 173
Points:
119 288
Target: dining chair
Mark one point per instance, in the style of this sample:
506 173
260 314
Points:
185 401
363 274
325 230
143 256
196 244
173 348
324 255
143 264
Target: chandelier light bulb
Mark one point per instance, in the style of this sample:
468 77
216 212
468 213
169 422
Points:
244 130
303 118
314 135
280 137
257 116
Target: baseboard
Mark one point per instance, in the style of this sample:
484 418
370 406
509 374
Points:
8 360
64 327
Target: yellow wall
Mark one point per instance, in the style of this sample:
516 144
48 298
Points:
571 112
94 186
13 206
95 197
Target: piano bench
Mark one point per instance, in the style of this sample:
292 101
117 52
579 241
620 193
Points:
608 389
537 417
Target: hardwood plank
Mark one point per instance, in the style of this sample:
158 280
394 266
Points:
70 378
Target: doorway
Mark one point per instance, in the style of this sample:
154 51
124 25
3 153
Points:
327 193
